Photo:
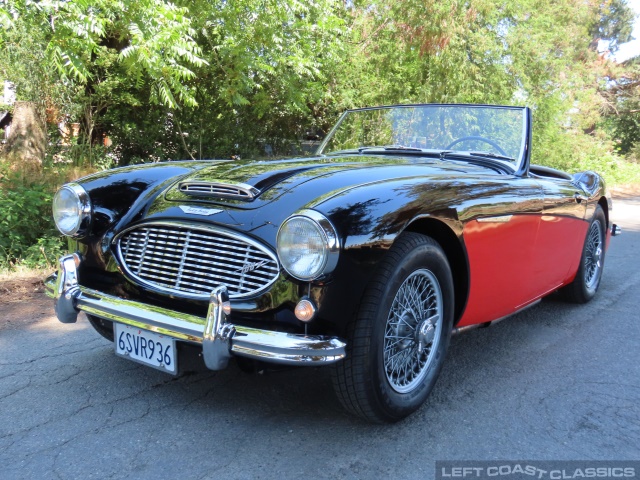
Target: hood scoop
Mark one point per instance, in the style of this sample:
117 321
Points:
235 191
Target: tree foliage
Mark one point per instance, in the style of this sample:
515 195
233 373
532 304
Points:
153 40
614 23
207 78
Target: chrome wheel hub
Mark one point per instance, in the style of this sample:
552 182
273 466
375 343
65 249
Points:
598 256
412 331
426 333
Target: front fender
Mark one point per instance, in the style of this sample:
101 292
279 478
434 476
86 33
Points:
368 219
121 194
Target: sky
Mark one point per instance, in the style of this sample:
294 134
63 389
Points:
632 48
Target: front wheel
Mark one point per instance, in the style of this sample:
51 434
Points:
398 340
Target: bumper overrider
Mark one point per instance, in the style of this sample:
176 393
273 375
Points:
219 338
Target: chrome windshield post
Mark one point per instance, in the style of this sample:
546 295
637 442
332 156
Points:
67 289
217 332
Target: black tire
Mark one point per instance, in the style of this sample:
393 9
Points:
585 285
103 327
368 382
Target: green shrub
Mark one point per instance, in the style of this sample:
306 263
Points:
27 233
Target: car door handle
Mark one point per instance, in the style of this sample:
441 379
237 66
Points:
579 197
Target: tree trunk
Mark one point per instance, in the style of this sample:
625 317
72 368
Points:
27 140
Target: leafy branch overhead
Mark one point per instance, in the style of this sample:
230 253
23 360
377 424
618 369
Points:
206 78
154 41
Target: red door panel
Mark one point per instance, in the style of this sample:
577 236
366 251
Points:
560 237
558 251
500 251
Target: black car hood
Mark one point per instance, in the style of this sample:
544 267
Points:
273 179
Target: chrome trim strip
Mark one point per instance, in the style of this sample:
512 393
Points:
578 197
523 141
287 348
497 219
230 234
458 330
181 326
238 191
219 338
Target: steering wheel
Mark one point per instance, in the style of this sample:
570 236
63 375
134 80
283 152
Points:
481 139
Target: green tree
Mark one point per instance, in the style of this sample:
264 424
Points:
265 80
613 24
533 52
97 47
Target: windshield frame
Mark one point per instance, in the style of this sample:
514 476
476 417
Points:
519 167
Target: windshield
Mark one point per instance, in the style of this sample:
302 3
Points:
486 131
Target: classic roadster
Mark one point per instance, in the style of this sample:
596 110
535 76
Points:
411 223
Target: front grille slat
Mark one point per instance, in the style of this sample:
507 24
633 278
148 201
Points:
192 261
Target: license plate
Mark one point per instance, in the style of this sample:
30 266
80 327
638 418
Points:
146 347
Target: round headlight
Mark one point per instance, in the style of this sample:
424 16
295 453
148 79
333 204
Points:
72 210
307 245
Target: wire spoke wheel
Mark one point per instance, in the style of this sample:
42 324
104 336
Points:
399 338
412 330
593 256
587 279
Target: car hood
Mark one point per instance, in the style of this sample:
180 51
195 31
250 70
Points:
270 180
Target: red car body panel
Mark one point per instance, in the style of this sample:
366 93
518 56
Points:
526 258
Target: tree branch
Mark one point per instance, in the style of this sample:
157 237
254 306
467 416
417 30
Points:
184 144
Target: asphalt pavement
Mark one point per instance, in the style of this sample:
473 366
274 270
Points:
555 382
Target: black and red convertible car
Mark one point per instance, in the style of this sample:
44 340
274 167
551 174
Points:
411 222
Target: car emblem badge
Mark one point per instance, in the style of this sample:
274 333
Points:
248 267
199 210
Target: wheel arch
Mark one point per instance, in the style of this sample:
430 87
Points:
456 256
604 204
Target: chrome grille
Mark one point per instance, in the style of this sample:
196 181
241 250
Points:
192 261
224 190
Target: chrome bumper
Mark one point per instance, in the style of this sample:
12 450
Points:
219 338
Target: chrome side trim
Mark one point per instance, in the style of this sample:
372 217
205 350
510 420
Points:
459 330
475 326
219 338
497 219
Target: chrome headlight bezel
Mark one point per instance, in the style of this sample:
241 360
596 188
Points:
325 229
80 203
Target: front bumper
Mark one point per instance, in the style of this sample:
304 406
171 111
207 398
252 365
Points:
219 338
